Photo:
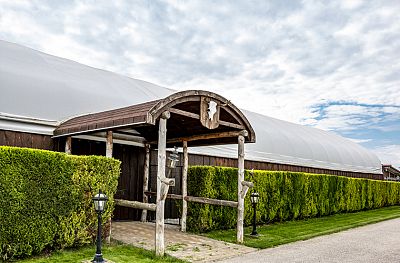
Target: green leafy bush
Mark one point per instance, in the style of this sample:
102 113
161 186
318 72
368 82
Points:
45 199
283 196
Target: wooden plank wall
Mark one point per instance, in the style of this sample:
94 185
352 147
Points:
195 159
171 210
130 183
23 139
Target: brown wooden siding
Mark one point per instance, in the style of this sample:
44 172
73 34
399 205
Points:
28 140
195 159
171 210
130 183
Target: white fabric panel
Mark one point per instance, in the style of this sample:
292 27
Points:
38 85
12 124
35 84
283 142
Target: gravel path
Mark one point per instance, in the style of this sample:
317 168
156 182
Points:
372 243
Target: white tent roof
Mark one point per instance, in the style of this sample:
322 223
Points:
279 141
37 88
38 85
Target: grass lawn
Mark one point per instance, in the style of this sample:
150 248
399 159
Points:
115 252
286 232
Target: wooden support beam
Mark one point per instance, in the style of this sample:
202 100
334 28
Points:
197 116
109 144
184 113
232 125
207 136
153 113
240 211
117 138
246 186
169 196
203 200
184 185
232 113
109 154
146 181
162 144
68 145
135 204
210 201
166 183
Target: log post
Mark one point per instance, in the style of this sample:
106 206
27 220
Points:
162 144
165 184
240 209
68 145
184 185
109 154
146 181
246 186
135 204
109 144
211 201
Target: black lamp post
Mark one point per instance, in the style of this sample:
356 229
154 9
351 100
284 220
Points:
254 200
99 201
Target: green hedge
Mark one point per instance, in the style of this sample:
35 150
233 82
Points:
45 199
283 196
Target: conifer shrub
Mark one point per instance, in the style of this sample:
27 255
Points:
283 196
45 199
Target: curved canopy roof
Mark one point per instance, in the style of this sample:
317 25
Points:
188 119
38 88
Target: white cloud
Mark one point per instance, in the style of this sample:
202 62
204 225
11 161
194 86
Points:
351 4
359 140
274 57
389 154
352 117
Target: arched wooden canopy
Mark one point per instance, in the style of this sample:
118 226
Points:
199 117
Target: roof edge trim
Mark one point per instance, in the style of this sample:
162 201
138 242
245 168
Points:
17 123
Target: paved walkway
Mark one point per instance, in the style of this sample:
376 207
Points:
185 246
372 243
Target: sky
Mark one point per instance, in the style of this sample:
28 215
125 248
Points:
333 65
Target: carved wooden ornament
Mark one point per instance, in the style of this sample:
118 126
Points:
209 113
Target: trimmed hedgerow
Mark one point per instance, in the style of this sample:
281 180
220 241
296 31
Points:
283 196
45 199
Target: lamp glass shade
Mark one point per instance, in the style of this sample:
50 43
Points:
254 197
173 158
99 201
171 163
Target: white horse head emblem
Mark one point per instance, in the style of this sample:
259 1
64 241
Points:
212 109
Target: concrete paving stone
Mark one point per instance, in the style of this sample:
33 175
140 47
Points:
193 248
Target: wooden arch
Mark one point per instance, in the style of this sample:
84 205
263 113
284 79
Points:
238 119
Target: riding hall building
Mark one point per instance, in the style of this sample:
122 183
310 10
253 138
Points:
52 103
